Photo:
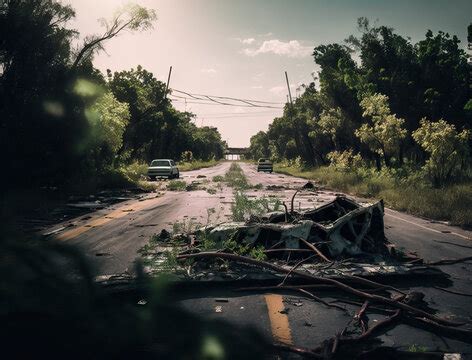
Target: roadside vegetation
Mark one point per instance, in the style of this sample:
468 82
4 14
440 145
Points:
396 127
87 129
197 164
405 193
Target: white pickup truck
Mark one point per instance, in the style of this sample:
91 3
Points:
160 168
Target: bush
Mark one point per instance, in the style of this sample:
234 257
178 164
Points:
177 185
187 156
448 150
345 160
410 193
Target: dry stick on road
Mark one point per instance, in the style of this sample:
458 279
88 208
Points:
361 318
373 283
338 284
441 330
452 291
292 287
298 350
338 340
294 267
312 247
449 261
314 297
285 249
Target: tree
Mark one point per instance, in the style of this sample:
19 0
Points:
131 17
448 149
144 136
331 123
259 146
385 132
445 78
41 120
108 119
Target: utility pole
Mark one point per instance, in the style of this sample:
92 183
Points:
289 92
168 81
305 136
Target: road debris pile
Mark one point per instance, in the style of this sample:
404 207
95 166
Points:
337 251
340 237
338 229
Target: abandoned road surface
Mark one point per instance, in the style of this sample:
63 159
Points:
112 236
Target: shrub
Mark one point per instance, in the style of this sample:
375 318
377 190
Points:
448 150
176 185
187 156
345 160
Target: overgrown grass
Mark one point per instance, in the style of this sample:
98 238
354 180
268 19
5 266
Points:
235 178
244 207
410 194
197 164
177 185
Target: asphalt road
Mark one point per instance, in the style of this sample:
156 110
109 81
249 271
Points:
111 237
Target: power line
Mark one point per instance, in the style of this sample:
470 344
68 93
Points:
248 103
218 103
232 116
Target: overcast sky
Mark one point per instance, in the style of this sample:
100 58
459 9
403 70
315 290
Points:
242 48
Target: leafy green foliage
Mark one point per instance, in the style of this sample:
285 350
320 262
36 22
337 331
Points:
235 178
448 149
401 189
176 185
187 156
385 133
373 106
345 160
245 207
57 111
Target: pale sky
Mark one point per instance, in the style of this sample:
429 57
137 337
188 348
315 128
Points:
241 48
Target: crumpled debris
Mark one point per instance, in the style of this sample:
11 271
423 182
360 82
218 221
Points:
341 227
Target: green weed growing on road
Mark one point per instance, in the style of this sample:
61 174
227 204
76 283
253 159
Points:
244 207
176 185
235 178
218 178
211 191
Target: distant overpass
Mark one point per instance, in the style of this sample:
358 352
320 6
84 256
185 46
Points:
233 153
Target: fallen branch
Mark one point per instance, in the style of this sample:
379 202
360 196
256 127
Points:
294 267
312 247
292 287
373 283
376 328
439 329
285 249
338 284
452 291
449 261
297 350
314 297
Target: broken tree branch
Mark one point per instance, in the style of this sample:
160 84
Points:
452 291
312 247
314 297
449 261
294 267
338 284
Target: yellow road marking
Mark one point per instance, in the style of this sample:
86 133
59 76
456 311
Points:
102 220
427 228
278 321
